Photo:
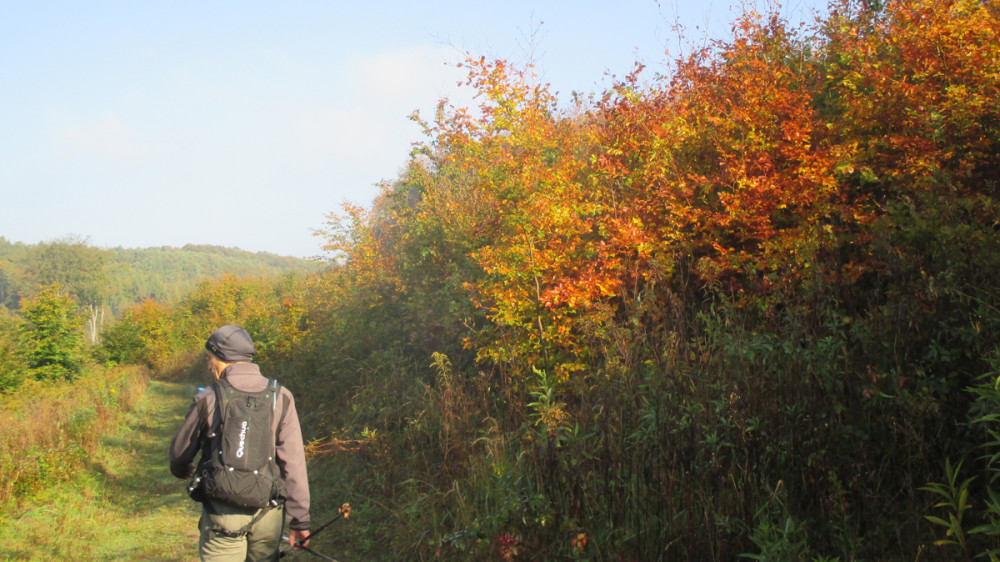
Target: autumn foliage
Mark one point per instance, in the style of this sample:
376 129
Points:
730 311
735 310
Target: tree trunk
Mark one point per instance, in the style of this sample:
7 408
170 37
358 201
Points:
95 324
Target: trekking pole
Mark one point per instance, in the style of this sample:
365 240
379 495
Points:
344 511
309 550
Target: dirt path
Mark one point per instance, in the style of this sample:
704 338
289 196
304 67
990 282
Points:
125 506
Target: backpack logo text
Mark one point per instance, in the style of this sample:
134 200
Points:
243 438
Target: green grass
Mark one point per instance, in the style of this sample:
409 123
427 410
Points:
123 505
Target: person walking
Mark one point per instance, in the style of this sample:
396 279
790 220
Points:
246 479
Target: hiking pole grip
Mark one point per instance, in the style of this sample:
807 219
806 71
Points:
344 511
307 549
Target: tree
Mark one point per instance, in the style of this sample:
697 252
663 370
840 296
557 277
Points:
145 335
7 287
75 266
80 269
52 334
12 365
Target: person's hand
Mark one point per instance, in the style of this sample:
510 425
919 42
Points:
298 538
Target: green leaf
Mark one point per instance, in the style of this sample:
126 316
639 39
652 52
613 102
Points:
937 520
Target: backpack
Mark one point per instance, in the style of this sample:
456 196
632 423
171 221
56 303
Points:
237 464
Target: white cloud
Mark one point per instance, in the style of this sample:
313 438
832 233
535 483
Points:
401 78
363 135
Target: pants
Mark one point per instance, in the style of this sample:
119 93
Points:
260 543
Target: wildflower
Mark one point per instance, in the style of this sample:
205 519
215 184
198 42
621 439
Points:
508 547
579 542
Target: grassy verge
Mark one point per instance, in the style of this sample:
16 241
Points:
118 501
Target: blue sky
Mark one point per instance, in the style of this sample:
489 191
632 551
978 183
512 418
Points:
244 124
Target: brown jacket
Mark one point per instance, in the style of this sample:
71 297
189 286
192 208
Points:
290 453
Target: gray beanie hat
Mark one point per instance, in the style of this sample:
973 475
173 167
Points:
231 344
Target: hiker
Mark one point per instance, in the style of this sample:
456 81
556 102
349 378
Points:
232 526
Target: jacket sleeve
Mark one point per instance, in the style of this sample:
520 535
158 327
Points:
292 461
187 441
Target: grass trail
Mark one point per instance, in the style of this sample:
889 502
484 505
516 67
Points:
124 506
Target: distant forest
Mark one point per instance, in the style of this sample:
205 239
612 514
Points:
116 278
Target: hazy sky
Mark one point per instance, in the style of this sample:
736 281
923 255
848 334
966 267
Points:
243 124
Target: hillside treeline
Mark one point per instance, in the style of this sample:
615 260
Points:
116 278
58 297
746 308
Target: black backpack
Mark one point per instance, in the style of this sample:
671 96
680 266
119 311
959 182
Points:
238 465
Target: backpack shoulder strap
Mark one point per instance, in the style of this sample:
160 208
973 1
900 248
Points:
213 429
223 392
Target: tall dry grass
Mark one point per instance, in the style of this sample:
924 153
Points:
48 431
